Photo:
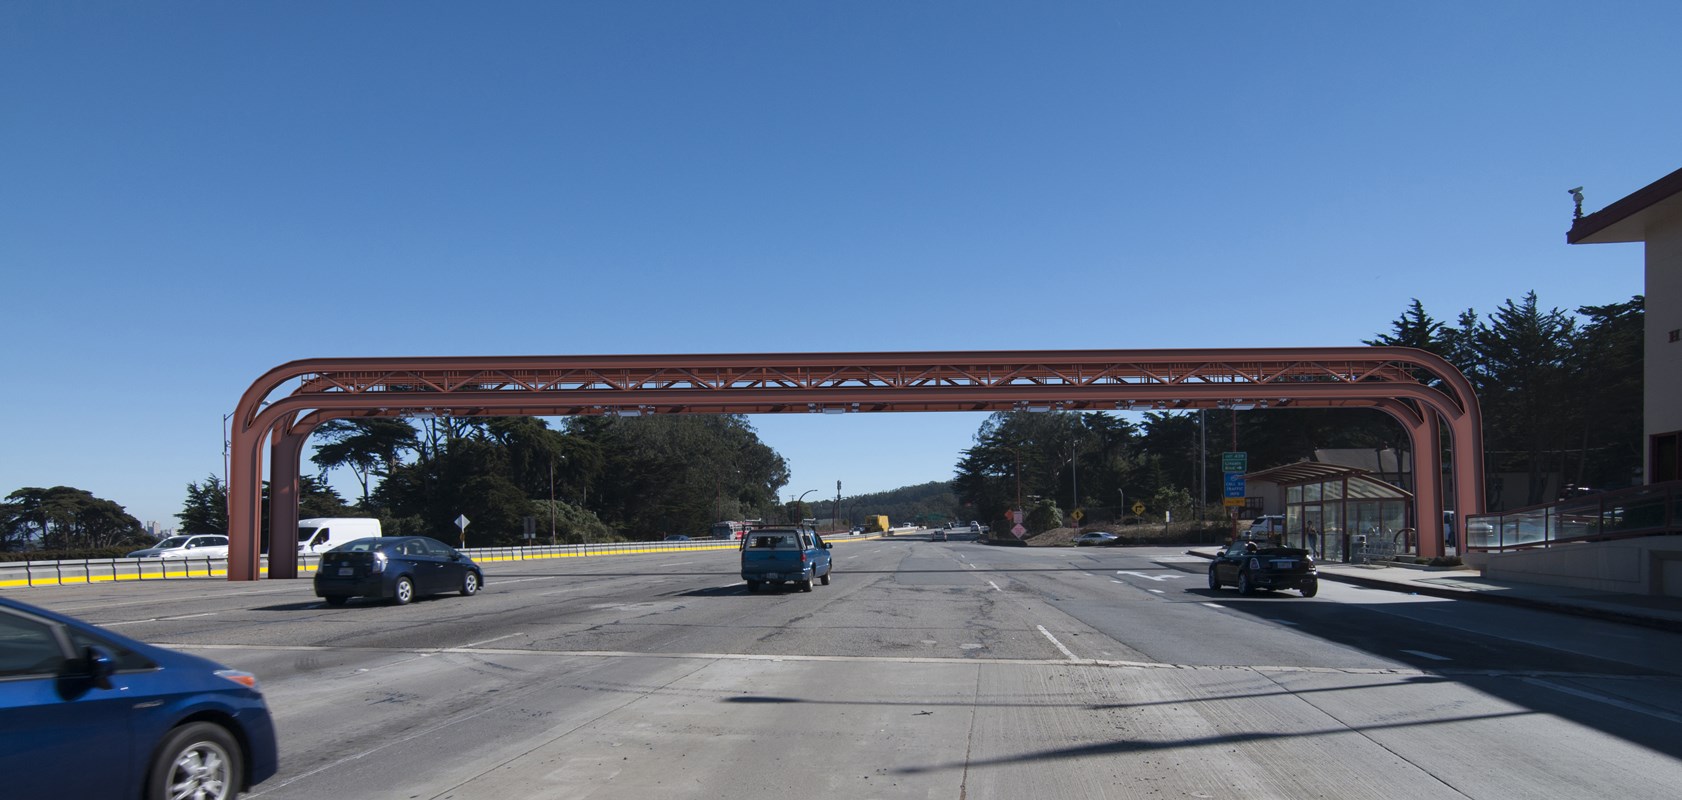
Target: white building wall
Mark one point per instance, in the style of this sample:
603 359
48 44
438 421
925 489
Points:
1663 376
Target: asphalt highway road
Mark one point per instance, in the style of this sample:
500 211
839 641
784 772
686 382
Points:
926 669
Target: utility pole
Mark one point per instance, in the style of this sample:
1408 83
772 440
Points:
1202 466
838 522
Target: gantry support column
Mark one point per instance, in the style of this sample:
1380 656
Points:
285 456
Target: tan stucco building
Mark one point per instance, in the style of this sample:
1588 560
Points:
1653 214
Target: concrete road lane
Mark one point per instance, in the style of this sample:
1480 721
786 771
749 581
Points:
926 669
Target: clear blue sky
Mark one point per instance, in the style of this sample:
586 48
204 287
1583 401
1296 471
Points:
192 193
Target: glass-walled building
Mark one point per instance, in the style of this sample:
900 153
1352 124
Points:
1342 513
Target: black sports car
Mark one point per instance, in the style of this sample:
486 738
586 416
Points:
1251 566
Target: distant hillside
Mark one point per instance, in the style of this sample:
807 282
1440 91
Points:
926 502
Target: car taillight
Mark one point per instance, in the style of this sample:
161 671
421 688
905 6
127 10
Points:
379 563
245 679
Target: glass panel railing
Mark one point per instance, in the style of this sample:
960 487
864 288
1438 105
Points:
1483 531
1576 519
1635 511
1530 527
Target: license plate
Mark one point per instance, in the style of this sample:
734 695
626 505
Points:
346 570
772 576
1285 564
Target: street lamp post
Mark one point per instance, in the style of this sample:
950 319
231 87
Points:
801 500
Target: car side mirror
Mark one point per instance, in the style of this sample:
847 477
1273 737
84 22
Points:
455 556
829 545
99 664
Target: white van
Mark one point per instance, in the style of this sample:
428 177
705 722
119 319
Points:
1264 527
320 534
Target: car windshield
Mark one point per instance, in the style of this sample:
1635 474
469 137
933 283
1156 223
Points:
173 541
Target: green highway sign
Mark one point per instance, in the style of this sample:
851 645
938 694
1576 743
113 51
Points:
1235 462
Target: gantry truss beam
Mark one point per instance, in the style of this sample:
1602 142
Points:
1417 388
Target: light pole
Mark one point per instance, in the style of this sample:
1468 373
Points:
802 499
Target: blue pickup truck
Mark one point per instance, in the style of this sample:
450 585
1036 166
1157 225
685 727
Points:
785 555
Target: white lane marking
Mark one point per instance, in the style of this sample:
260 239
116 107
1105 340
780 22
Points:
1152 591
728 585
1214 605
160 600
497 639
1066 651
995 586
1601 698
523 580
1423 654
1180 559
764 657
155 619
1150 577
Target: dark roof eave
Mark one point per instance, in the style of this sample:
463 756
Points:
1584 229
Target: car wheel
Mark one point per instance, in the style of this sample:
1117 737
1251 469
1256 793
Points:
199 760
753 586
1214 580
1244 585
1311 588
335 600
404 591
806 585
825 579
470 584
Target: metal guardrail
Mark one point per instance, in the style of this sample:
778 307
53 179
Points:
98 570
1651 510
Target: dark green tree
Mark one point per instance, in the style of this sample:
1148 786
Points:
206 507
667 474
66 518
371 448
1606 367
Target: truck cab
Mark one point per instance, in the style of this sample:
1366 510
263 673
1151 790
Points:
785 555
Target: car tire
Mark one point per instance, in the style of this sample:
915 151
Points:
1244 585
199 759
404 591
335 600
1214 580
825 579
806 585
753 586
470 584
1311 588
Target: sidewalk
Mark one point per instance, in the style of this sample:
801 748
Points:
1664 613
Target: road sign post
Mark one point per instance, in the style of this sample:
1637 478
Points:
461 522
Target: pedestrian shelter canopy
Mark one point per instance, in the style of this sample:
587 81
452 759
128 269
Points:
1342 513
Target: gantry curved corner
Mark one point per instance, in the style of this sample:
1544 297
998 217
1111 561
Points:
1420 390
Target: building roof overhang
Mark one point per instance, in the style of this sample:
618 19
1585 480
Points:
1315 472
1628 219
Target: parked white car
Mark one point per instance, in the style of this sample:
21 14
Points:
198 545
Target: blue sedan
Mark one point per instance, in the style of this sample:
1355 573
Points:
85 712
399 568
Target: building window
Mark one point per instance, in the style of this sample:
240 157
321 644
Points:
1666 457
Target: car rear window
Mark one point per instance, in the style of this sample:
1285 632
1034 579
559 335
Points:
774 541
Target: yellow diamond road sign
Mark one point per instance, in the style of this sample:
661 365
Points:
1077 514
1138 508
